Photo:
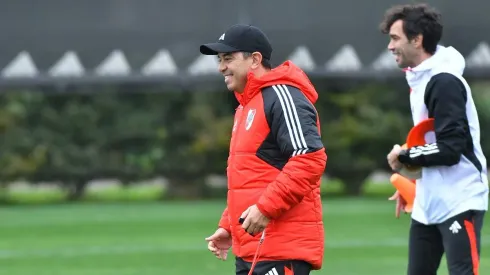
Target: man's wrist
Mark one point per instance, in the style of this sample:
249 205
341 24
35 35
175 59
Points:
404 157
261 209
227 229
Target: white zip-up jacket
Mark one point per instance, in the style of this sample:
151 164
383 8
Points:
454 169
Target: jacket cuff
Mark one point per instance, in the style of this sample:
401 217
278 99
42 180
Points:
264 211
404 157
227 229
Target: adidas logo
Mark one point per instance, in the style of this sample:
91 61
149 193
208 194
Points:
273 271
455 227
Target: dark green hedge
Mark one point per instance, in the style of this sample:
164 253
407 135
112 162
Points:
135 133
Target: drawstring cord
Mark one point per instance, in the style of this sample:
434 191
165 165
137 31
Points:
257 253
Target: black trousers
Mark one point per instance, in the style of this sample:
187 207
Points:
458 237
273 267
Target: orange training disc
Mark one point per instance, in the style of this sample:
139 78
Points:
416 136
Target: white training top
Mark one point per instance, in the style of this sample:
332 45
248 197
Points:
454 173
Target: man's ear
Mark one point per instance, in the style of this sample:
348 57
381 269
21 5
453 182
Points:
417 41
257 60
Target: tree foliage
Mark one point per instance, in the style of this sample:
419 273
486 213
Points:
135 133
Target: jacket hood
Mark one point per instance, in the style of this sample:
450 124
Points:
445 59
285 74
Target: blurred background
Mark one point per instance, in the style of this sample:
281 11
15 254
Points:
114 130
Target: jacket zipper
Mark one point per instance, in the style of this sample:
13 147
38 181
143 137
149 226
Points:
232 154
239 123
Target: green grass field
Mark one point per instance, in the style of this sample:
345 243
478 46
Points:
362 238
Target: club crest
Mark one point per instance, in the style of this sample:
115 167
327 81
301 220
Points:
250 118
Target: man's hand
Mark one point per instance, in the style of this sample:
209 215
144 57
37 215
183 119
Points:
392 157
400 203
253 221
219 243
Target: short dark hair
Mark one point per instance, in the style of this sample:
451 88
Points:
417 19
265 62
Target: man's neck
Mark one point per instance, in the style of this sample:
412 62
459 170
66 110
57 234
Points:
422 57
258 73
261 72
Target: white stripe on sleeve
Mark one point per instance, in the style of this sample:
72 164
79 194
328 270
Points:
293 142
292 120
425 150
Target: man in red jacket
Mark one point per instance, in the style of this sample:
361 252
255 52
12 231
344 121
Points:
273 218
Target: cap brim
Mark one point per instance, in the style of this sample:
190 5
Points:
215 48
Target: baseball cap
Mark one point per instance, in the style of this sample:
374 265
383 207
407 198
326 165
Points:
240 38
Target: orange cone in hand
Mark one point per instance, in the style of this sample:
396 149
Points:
406 189
405 186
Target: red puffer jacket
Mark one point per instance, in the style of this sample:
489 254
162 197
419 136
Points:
276 161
